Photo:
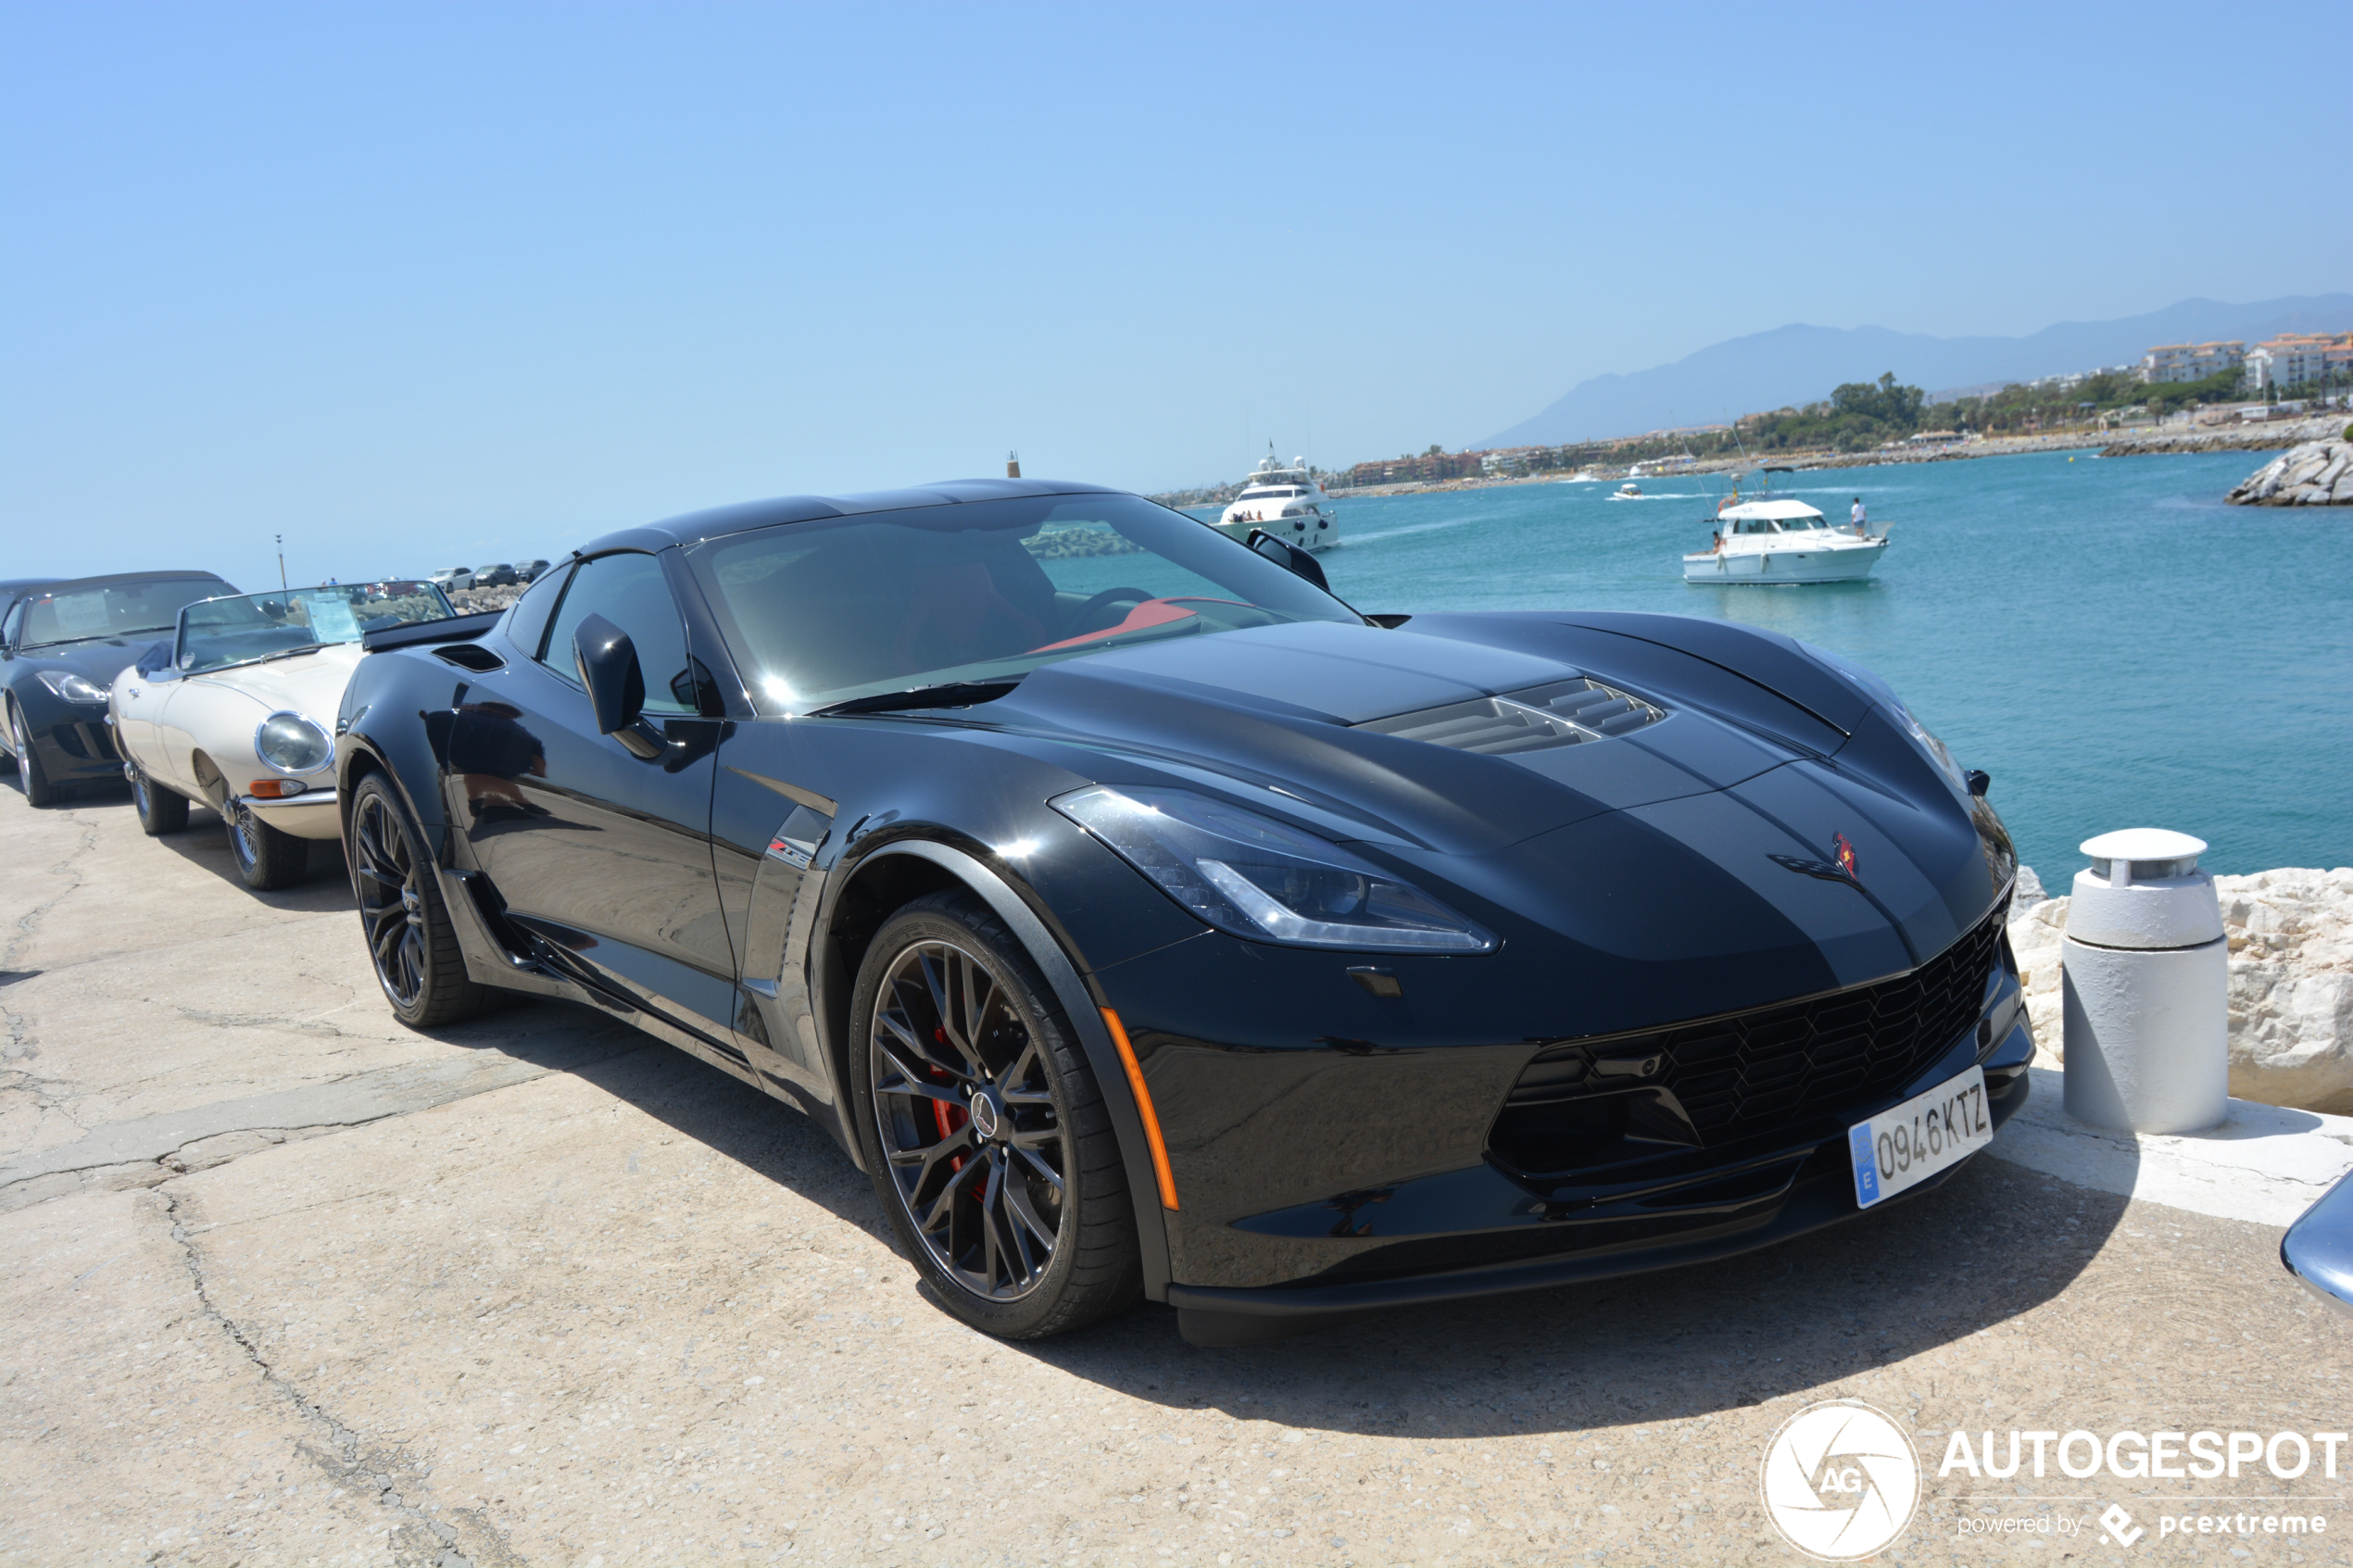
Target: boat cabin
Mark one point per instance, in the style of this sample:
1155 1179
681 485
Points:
1769 517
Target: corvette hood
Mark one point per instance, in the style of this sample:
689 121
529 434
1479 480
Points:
1713 828
1295 707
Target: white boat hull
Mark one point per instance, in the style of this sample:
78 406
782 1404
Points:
1303 531
1844 564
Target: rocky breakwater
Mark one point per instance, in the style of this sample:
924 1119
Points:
2291 1002
2242 437
473 601
2318 473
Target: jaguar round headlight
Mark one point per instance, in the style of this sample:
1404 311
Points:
292 744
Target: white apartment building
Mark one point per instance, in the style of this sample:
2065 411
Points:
2190 361
2299 359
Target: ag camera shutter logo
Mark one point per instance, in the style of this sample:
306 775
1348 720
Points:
1840 1480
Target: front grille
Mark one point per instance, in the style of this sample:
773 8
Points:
1775 1069
1564 714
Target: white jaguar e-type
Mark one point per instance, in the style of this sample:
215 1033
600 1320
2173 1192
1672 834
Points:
237 710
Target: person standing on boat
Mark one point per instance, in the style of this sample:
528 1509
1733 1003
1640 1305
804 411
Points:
1859 517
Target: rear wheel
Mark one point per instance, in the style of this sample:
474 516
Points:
985 1132
38 790
410 939
267 859
160 810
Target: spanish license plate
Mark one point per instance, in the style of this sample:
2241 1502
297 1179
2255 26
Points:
1932 1132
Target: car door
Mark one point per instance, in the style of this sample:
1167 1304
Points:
601 851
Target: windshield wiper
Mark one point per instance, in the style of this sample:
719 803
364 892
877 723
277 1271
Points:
948 694
289 653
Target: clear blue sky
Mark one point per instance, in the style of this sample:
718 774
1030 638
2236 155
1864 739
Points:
419 283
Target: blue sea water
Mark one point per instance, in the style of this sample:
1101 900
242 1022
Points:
2115 645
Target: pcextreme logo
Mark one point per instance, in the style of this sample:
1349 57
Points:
1839 1480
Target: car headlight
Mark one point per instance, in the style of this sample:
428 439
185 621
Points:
1256 877
292 744
72 687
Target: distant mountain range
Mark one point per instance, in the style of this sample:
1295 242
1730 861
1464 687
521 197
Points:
1800 364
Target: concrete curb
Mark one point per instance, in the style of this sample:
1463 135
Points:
2265 1163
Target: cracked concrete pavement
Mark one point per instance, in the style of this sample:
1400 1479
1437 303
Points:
289 1283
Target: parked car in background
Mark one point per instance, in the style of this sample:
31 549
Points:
449 579
1144 921
60 645
236 712
501 575
530 571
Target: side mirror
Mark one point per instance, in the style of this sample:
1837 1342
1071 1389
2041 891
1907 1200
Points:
1284 554
607 661
1979 780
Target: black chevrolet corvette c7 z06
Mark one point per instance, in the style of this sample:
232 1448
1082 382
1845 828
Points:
1145 922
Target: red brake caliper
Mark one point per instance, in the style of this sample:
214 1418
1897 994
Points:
946 1117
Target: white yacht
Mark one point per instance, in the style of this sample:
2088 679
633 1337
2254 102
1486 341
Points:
1286 502
1629 491
1765 540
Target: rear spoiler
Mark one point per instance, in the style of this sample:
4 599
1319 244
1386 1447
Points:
457 629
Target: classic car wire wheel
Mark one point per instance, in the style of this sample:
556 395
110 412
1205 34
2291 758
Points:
244 835
967 1121
391 899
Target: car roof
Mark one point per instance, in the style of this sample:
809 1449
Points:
743 518
56 583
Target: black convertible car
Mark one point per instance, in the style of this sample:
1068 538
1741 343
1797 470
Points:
61 646
1145 922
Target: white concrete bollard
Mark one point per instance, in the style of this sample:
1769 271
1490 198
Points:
2146 974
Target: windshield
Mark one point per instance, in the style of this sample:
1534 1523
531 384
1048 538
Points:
823 611
73 613
218 633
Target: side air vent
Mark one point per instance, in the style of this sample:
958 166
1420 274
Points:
470 656
1565 713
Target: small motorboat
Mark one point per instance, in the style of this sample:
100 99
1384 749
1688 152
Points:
1765 540
1629 491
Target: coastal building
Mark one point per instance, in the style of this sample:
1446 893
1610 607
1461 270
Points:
2299 359
1426 469
2190 361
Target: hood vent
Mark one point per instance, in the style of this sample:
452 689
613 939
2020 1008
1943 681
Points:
1564 714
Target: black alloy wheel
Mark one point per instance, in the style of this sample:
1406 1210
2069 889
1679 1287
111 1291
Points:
984 1130
38 790
267 859
409 938
160 810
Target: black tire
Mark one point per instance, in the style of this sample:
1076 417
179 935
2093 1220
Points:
266 859
31 774
160 810
411 940
972 1210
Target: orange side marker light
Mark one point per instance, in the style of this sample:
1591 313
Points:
1144 1109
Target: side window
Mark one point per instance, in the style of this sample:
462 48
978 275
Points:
528 624
628 590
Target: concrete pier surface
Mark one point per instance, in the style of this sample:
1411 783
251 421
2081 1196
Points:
285 1282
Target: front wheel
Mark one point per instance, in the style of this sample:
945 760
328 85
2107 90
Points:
38 790
410 939
984 1130
160 810
266 859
